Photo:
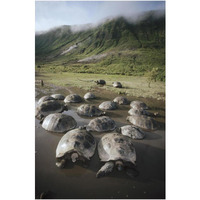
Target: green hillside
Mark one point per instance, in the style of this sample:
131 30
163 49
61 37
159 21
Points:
114 47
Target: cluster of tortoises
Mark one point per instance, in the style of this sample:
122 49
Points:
115 148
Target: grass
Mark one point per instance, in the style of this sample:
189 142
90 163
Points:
132 85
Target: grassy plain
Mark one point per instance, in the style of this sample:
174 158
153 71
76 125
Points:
136 86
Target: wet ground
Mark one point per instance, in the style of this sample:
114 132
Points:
77 182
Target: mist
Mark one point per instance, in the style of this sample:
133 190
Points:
84 15
134 18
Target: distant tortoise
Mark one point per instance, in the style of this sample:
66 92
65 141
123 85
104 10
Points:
121 100
117 151
101 124
45 98
58 122
89 110
73 98
58 96
143 121
108 105
47 107
139 104
100 82
76 144
131 131
89 95
117 84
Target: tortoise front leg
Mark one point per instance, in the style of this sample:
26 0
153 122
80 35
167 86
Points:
105 169
61 163
131 170
84 161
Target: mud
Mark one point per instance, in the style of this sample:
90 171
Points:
77 182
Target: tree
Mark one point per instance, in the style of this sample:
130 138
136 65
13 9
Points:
152 75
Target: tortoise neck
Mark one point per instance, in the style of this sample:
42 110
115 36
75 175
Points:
74 156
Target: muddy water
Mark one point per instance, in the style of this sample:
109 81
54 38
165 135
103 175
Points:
78 182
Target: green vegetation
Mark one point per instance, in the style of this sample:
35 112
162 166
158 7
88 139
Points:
131 49
132 85
152 75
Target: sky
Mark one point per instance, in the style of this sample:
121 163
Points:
50 14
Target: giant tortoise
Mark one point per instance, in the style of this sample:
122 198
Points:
89 110
58 122
101 124
118 151
143 121
47 107
75 145
72 98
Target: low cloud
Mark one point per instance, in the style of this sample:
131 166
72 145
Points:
85 15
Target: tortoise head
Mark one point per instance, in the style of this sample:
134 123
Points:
74 156
40 117
120 165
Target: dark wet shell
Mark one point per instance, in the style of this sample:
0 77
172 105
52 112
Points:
89 95
48 107
132 131
72 98
89 110
117 84
108 105
58 96
101 124
59 122
78 140
114 146
138 104
45 98
143 122
137 111
121 100
101 82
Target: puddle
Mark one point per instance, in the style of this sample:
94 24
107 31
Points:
78 182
